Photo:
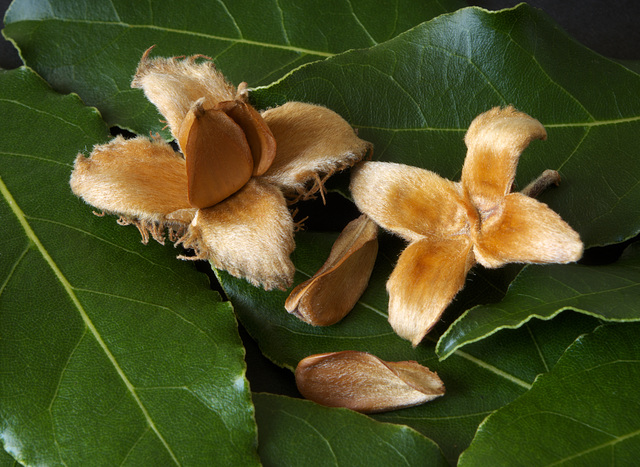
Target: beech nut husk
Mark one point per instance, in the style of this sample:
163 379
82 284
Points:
365 383
452 226
225 195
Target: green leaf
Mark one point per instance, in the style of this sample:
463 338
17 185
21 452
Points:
112 352
584 412
610 292
298 432
61 394
415 95
483 378
7 461
92 48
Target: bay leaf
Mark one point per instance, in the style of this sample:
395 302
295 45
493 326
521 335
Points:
298 432
609 292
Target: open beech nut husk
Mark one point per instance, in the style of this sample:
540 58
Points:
226 194
451 226
362 382
333 291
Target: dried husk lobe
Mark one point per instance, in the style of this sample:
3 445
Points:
140 180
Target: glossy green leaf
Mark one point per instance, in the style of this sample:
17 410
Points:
610 292
415 95
92 48
112 352
7 461
584 412
296 432
480 380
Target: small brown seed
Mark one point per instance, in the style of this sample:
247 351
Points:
217 154
365 383
334 290
258 134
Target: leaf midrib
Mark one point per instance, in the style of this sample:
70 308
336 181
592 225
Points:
234 40
593 123
31 235
613 442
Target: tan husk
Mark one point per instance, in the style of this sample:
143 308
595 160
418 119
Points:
250 235
452 225
365 383
225 197
312 141
141 180
334 290
174 84
429 273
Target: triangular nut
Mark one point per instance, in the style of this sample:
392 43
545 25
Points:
334 290
365 383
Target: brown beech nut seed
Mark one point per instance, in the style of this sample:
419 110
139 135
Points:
333 291
363 382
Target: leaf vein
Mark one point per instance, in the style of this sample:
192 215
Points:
33 109
90 234
482 415
14 267
575 150
315 430
37 158
595 123
232 18
115 11
165 29
546 74
142 302
538 349
364 29
64 369
133 446
29 232
284 28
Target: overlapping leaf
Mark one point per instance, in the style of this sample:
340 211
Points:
111 352
133 350
414 97
478 381
610 292
584 412
295 432
92 48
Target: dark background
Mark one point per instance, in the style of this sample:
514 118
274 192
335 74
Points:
609 27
